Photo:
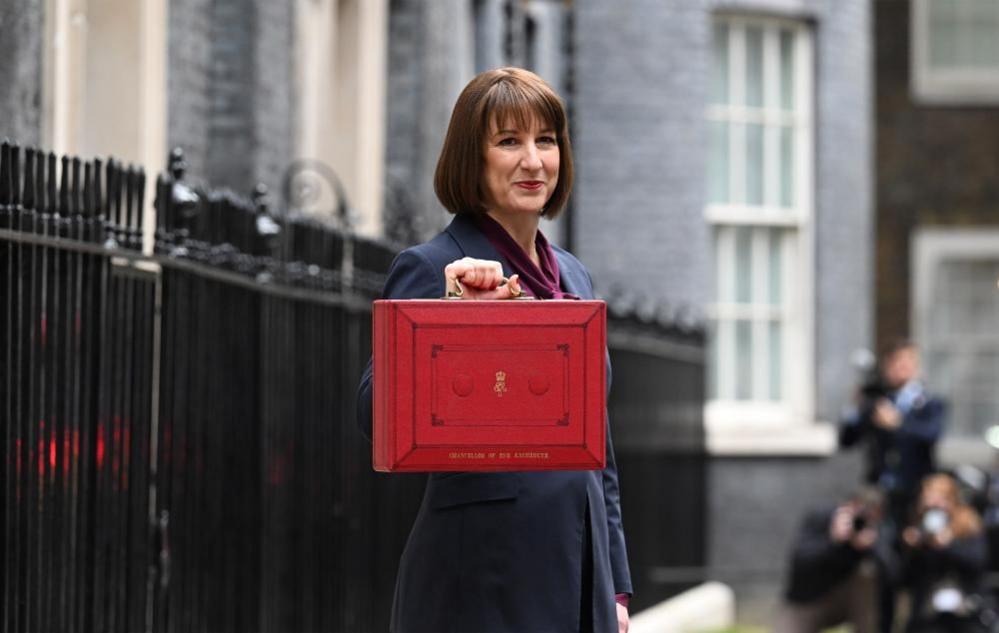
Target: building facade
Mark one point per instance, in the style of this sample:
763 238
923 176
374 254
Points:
254 92
724 174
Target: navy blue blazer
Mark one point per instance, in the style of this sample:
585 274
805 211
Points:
503 551
898 460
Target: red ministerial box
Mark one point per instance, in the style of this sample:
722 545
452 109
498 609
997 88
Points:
489 385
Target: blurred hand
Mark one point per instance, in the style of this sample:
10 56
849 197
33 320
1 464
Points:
886 415
864 539
480 279
841 526
912 536
941 539
622 618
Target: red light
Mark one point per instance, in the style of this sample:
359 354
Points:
67 444
100 445
127 452
41 449
116 451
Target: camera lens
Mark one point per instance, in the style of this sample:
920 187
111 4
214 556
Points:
935 520
859 522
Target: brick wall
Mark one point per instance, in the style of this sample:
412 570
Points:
936 166
231 89
21 32
189 78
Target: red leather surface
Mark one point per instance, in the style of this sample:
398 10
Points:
489 385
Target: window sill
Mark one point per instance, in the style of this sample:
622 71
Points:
794 439
965 451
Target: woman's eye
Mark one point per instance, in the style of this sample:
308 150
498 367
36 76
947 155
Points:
508 141
547 140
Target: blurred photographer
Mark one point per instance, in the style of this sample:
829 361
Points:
900 422
841 558
944 562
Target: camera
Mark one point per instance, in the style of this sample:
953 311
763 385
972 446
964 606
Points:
872 384
859 523
934 521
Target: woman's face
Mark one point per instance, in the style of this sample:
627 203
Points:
521 166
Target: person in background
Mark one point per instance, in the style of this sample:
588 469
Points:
841 557
900 422
944 559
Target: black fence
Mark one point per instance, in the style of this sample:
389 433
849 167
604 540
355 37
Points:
655 407
178 434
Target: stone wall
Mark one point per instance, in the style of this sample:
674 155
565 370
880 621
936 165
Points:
22 33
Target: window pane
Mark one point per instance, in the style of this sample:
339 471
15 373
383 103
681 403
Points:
943 33
754 164
744 359
718 163
754 66
776 361
983 27
978 27
719 74
962 33
787 69
786 167
776 266
962 359
743 265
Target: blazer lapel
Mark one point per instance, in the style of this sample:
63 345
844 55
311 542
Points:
571 276
473 243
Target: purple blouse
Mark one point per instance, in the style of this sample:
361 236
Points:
543 282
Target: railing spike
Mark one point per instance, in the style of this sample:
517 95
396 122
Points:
5 184
51 183
98 208
75 203
15 174
140 201
41 202
64 187
28 191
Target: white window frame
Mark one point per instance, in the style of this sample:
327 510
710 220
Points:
125 115
932 246
341 83
936 86
786 427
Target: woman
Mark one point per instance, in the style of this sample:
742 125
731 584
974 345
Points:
945 559
522 551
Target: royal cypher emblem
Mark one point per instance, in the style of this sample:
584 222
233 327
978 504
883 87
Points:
500 386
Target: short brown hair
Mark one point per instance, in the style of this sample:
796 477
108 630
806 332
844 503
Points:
896 345
496 95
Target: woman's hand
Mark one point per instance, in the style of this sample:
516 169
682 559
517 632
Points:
622 618
480 279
